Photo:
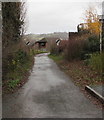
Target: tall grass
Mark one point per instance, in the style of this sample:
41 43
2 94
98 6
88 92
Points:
97 62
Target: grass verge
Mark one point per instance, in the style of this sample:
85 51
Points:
56 58
81 73
39 52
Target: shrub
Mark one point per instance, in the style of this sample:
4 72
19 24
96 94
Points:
16 59
62 45
57 50
74 49
54 49
20 56
17 64
92 44
96 62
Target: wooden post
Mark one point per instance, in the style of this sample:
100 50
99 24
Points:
69 36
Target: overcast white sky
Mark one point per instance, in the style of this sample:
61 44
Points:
46 16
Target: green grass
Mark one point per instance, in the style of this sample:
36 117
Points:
56 57
13 83
39 51
15 77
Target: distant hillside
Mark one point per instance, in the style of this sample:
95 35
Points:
34 37
62 35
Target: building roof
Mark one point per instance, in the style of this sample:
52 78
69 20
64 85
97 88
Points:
41 40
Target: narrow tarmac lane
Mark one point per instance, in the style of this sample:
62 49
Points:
49 93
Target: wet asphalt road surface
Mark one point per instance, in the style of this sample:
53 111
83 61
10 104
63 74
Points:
49 93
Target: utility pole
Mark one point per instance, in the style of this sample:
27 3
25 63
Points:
101 19
101 38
